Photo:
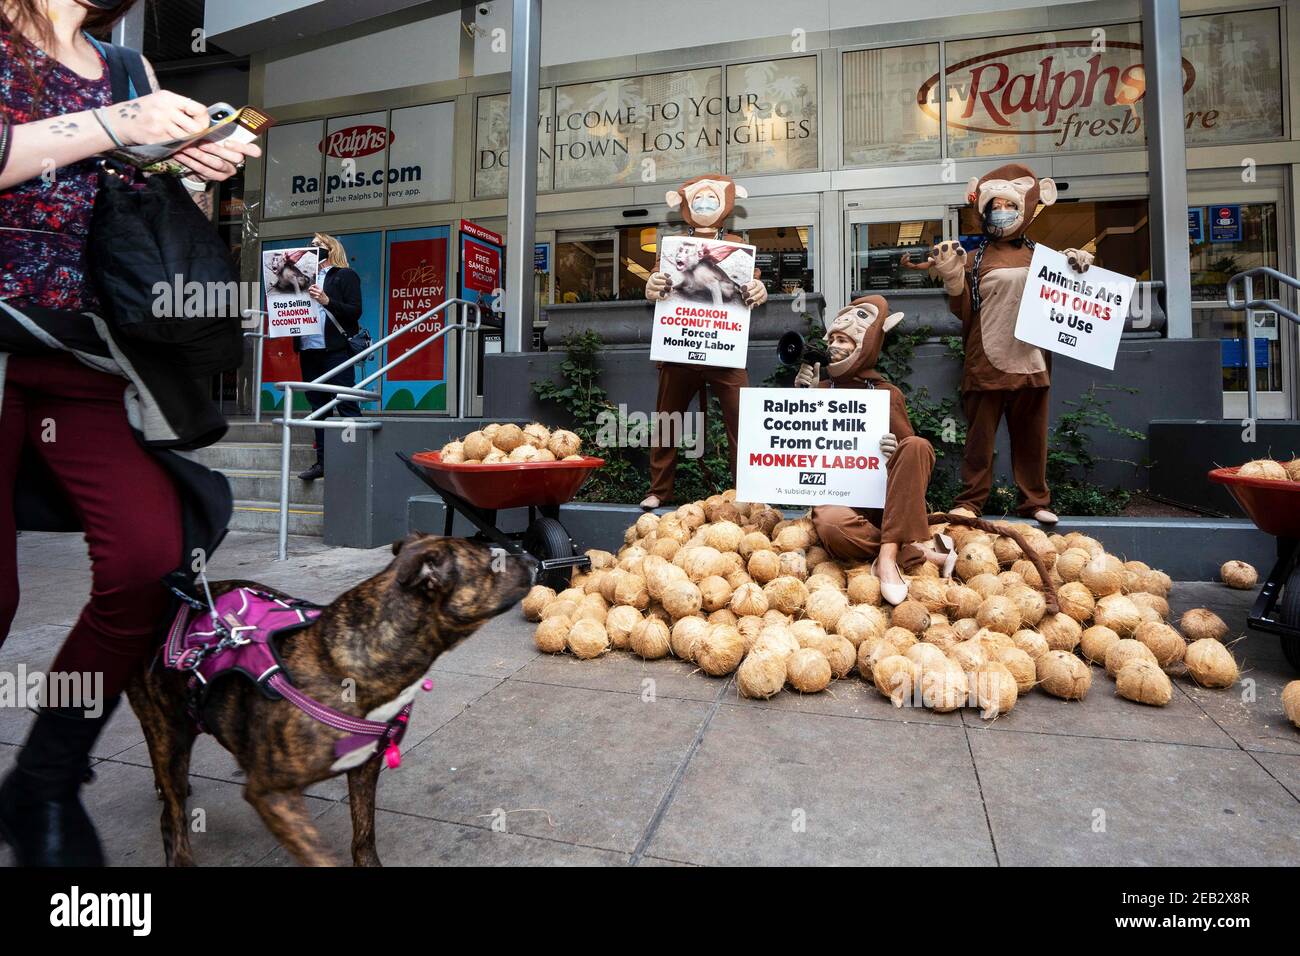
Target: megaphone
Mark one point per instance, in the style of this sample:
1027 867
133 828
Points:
792 350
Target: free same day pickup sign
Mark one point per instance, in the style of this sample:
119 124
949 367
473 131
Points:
812 446
1076 314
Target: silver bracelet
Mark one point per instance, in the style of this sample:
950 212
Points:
98 114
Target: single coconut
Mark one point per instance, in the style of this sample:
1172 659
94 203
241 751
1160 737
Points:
750 627
684 635
1125 650
1103 575
1061 631
619 623
962 601
1030 603
715 593
704 562
786 594
1118 613
1153 601
999 613
723 535
965 628
828 569
587 639
931 592
1145 683
855 626
971 654
974 559
993 641
793 537
985 585
563 444
646 523
1007 551
840 653
650 639
1292 469
926 656
560 608
808 671
870 652
476 446
691 515
537 435
1166 644
508 438
1021 666
1291 701
753 541
764 566
1028 573
453 453
1009 580
720 650
1096 642
630 589
911 615
1264 468
900 637
761 676
1076 600
524 453
600 559
723 615
1031 642
552 635
1199 623
776 639
749 599
1071 564
1063 675
806 630
945 638
1211 664
996 689
592 608
774 616
944 688
1155 582
822 582
793 564
897 678
864 588
681 599
535 602
631 559
825 607
1239 575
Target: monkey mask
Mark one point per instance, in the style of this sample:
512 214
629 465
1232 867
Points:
1014 183
706 201
857 334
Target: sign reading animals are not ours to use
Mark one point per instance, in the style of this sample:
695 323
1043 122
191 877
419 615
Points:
1070 313
704 320
820 446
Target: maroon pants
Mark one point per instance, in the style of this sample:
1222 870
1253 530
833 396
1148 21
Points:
74 418
678 385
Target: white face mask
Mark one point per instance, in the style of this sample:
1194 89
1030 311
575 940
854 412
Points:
1003 219
705 205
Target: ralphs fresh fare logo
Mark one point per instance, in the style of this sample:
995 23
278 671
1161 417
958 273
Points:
1068 89
356 141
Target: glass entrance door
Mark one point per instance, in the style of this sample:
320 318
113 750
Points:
887 245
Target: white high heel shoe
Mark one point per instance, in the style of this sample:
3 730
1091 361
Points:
944 545
895 594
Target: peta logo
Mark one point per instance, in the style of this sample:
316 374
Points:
356 141
75 909
696 357
812 477
1066 339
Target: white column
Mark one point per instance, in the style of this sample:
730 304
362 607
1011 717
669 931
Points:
521 193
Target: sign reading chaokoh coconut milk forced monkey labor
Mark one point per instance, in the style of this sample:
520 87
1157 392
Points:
704 319
1079 314
804 446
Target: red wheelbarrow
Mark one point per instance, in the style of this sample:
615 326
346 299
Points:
479 491
1274 506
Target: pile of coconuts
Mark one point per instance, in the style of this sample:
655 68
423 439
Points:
1271 470
740 588
498 444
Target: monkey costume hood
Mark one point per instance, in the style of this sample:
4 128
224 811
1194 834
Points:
865 321
706 202
1016 183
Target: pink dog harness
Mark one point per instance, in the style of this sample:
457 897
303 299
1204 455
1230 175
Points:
237 633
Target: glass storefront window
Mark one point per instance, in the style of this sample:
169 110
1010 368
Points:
784 258
772 116
1233 238
882 118
492 143
1230 329
584 266
1237 94
637 258
878 251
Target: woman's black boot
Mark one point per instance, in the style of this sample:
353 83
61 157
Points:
41 815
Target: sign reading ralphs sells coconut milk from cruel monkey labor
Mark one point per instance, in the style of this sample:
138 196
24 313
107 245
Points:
821 446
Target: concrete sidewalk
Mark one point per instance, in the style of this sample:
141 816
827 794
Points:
521 758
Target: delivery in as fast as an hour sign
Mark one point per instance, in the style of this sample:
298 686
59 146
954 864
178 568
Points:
1071 313
820 446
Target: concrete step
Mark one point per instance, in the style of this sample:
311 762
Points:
265 516
252 456
263 432
254 485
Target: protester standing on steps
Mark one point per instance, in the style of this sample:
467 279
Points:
86 433
338 291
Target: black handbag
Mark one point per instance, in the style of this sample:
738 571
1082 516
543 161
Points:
164 275
357 343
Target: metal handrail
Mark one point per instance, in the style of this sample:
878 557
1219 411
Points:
471 321
259 342
1248 306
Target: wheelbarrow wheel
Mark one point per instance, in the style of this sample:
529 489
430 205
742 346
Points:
1289 614
546 538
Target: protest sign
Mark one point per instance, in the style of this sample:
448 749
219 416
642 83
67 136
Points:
287 275
816 446
704 320
1070 313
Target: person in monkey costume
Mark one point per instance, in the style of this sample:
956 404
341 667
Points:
705 203
1002 377
883 535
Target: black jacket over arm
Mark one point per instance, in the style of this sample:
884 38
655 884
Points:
343 288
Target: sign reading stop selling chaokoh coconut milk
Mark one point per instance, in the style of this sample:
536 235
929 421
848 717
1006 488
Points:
1070 313
287 274
704 320
821 446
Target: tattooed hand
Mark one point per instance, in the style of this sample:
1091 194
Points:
156 118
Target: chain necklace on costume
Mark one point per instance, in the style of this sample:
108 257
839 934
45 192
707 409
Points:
975 271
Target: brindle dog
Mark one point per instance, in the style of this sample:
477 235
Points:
383 635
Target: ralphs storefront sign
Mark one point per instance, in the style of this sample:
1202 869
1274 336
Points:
365 161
